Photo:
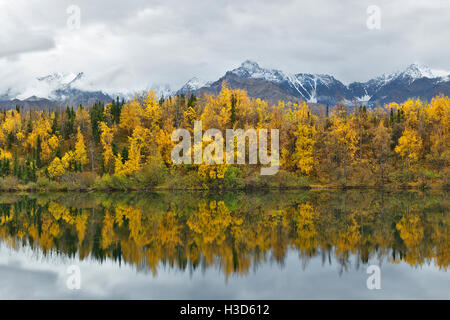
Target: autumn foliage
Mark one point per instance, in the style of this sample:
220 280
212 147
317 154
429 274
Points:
405 144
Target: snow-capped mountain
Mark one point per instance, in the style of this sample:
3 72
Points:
412 73
162 90
54 89
193 85
68 89
309 87
250 69
416 71
415 81
50 86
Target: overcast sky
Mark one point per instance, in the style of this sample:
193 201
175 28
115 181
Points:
129 45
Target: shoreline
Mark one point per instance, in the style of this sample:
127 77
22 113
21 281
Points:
164 189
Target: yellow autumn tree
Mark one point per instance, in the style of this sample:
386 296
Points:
439 120
411 109
56 168
152 112
131 115
381 148
190 115
133 163
343 139
217 111
165 143
83 119
409 145
42 130
106 138
306 139
5 154
11 124
80 149
69 160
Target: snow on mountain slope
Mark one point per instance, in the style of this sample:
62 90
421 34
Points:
193 85
325 89
304 85
162 90
55 86
250 69
414 81
373 89
410 74
417 71
72 89
45 87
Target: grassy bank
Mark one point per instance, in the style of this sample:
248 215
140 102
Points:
157 177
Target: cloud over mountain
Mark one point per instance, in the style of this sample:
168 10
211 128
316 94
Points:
138 44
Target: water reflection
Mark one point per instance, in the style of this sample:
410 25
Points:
235 233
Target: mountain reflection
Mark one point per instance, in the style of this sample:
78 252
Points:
235 231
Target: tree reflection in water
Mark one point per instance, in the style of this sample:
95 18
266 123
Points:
236 232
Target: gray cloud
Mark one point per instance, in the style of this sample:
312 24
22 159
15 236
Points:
128 45
35 43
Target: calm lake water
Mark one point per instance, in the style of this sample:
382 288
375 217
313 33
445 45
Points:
275 245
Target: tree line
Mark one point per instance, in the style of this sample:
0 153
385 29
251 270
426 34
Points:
128 144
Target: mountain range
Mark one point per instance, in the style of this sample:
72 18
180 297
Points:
52 90
415 81
269 84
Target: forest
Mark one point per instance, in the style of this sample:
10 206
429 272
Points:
127 145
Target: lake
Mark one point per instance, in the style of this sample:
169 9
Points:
355 244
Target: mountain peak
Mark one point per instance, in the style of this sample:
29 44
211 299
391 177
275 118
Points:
248 68
251 69
61 78
249 64
193 84
417 71
77 77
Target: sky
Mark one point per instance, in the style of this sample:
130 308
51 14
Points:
131 45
